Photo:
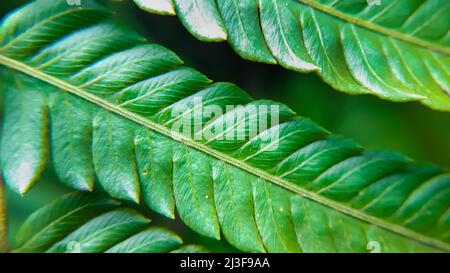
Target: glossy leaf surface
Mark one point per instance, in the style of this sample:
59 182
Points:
290 187
397 50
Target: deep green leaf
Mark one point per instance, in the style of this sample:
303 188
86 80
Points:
91 223
103 232
151 240
263 191
59 218
191 249
398 51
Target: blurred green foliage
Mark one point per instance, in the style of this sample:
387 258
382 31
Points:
409 128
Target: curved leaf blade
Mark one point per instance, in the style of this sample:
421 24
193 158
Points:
307 163
92 223
52 222
164 7
395 50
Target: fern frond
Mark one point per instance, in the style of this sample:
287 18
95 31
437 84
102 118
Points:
101 101
92 223
397 51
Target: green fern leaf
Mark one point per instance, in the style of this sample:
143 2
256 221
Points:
102 102
60 218
92 223
398 51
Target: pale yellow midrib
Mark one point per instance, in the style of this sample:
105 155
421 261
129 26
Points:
16 65
376 28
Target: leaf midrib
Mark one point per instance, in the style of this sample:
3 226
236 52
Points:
37 235
24 68
376 28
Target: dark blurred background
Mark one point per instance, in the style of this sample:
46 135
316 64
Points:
410 128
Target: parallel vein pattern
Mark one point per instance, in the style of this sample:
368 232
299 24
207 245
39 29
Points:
397 50
92 223
102 104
